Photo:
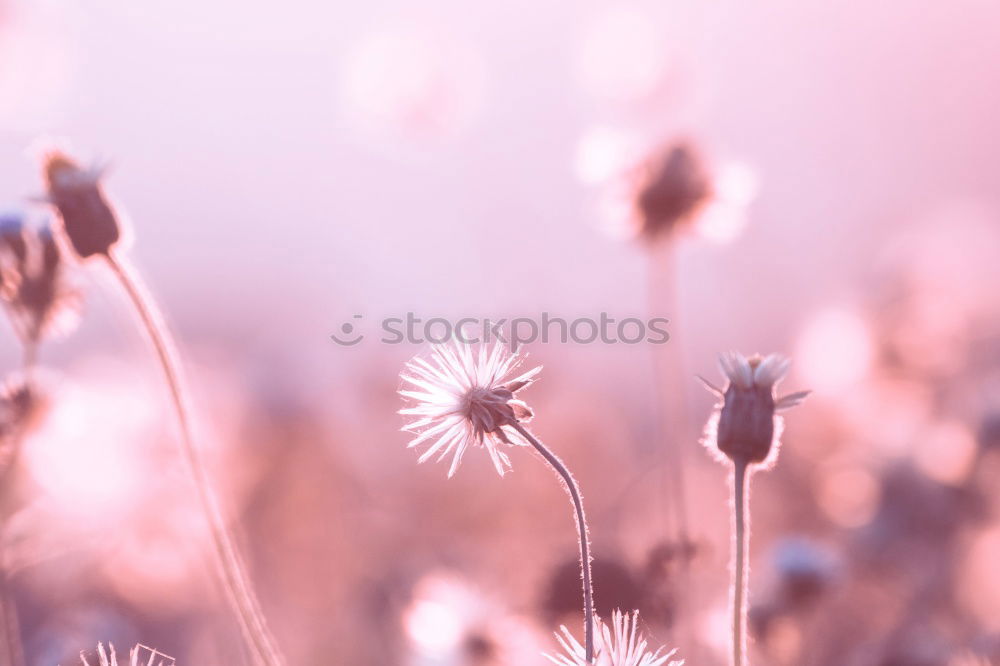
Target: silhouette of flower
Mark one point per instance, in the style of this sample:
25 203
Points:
746 425
465 399
620 644
88 219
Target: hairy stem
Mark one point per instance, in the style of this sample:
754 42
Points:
739 560
259 641
581 523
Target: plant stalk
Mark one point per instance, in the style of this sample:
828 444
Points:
581 521
235 581
739 560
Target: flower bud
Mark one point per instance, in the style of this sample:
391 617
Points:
88 220
747 427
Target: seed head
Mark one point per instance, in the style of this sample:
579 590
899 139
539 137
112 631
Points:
88 220
464 398
33 286
621 644
675 187
746 426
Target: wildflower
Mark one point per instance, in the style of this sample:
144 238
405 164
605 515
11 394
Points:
465 399
148 656
746 429
92 228
88 220
675 187
449 621
746 426
32 283
621 644
20 407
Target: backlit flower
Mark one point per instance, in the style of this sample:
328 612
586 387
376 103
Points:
140 655
675 187
33 287
464 398
88 220
21 406
620 644
746 426
450 622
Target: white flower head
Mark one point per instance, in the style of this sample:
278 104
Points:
450 622
620 644
140 655
464 398
746 425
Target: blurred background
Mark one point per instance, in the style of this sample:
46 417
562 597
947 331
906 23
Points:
815 178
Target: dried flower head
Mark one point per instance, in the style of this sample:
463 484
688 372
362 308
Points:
88 220
746 427
21 405
465 398
140 655
33 286
621 644
675 187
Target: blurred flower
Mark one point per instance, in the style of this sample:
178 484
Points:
675 186
746 426
463 400
88 220
451 623
148 656
804 569
33 287
621 644
20 405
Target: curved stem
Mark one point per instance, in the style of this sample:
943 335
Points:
241 596
581 523
739 560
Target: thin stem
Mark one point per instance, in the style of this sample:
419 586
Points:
262 646
12 656
670 430
739 560
666 368
30 358
581 522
